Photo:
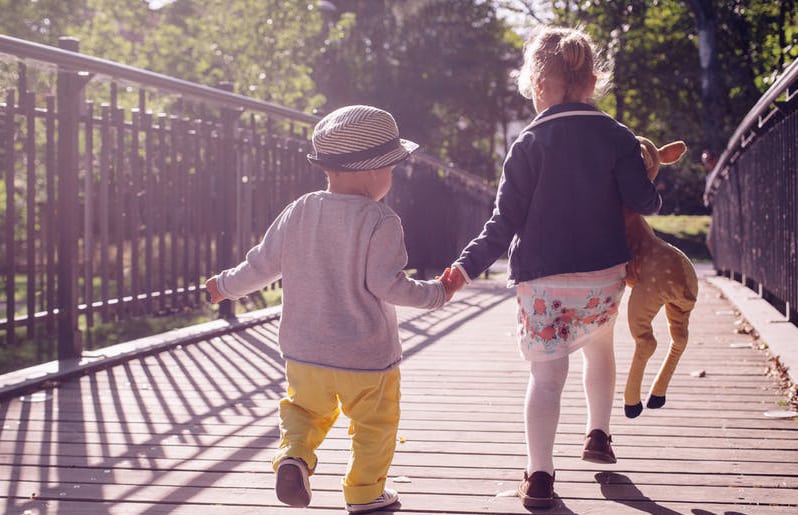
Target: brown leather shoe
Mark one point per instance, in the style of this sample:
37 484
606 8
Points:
598 448
537 490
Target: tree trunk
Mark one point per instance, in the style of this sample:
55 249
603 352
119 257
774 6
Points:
784 13
620 101
711 89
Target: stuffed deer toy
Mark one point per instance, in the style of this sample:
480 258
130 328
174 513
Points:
659 275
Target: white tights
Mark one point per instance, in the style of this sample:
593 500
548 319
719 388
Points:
544 392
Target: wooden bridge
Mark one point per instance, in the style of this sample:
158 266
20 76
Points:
191 430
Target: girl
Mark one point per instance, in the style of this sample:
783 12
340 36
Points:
558 208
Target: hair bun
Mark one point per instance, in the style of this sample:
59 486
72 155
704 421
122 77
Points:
573 52
568 57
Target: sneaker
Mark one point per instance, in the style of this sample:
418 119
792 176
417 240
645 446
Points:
537 490
598 448
292 485
387 498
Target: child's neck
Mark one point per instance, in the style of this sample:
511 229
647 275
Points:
348 189
348 183
553 95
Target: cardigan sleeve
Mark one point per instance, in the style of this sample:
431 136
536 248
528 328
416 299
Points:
516 187
637 192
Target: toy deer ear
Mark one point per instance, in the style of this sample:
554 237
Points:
650 154
672 152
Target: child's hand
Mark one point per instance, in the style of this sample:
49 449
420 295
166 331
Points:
213 294
452 281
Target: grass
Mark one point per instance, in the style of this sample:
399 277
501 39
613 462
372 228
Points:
687 233
28 352
682 226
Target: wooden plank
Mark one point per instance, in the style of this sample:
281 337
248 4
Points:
675 408
687 436
263 477
253 458
237 436
648 423
222 447
419 504
326 490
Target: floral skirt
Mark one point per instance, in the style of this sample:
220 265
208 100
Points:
559 314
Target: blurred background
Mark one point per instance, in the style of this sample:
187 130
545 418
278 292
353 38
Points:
447 68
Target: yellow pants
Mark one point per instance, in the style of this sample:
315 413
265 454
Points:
315 398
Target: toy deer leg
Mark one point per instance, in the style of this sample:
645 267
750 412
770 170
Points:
678 320
643 307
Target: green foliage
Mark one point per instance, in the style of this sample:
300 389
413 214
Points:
266 48
43 21
117 31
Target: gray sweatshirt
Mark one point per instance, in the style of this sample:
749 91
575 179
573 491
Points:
341 258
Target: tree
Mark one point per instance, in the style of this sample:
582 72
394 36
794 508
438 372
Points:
118 31
442 67
43 21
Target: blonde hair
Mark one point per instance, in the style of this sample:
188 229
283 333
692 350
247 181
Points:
566 56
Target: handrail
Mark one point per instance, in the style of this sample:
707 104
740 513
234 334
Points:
754 117
77 62
468 178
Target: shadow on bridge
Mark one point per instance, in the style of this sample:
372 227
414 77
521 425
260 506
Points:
193 425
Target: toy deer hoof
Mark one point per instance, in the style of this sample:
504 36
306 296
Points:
655 401
633 410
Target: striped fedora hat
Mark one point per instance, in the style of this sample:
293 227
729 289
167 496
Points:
356 138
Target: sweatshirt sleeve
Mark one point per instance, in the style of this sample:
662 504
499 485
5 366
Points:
262 265
385 276
637 192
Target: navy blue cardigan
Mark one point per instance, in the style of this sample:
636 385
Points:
560 198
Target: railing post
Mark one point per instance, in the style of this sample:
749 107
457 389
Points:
227 195
7 165
69 87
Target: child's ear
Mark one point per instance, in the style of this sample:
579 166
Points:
672 152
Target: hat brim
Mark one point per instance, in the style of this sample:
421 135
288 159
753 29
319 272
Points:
397 155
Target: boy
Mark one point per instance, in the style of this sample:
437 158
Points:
341 255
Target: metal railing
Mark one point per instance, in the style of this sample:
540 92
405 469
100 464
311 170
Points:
110 211
753 193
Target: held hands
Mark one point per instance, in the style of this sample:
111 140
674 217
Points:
212 293
452 281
